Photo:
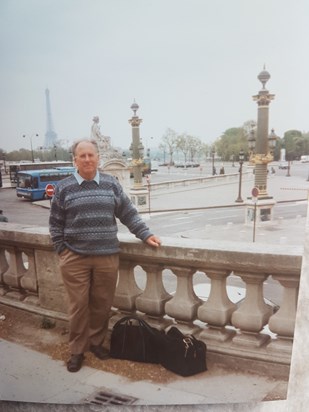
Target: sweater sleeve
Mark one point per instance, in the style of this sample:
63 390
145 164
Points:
129 216
57 223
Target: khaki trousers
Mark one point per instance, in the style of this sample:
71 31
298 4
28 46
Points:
90 283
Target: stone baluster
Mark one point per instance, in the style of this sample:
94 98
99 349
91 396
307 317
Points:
152 300
29 280
16 270
127 289
3 268
183 306
283 321
253 313
217 310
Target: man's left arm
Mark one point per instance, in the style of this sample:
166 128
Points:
129 216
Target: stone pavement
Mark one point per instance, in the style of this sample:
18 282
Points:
29 376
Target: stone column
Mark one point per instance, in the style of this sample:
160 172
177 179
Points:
261 157
139 194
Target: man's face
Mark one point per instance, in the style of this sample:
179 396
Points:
86 160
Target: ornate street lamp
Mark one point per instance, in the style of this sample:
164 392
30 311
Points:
55 149
241 161
261 145
272 140
139 194
233 159
4 164
213 152
32 156
251 140
136 147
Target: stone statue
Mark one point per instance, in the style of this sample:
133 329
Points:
95 129
106 151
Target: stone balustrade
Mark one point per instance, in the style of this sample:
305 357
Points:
206 181
160 285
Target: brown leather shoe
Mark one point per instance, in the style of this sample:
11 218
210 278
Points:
99 352
75 362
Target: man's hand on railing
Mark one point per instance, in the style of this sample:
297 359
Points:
153 241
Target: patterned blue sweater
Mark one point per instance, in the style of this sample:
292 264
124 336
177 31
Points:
83 217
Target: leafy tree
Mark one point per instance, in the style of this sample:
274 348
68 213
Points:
231 142
294 144
306 144
43 154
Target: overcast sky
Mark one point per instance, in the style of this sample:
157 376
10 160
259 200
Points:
191 65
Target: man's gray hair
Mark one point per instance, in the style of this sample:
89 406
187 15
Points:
77 142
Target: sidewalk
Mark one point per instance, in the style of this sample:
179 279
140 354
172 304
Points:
31 376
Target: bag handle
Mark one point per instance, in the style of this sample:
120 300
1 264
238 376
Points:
142 322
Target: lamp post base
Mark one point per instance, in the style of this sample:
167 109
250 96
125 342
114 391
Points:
140 198
260 211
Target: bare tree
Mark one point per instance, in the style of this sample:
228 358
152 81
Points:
189 145
195 145
205 151
182 144
169 142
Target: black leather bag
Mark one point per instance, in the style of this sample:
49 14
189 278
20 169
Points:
183 354
134 339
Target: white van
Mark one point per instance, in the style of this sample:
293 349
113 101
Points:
154 166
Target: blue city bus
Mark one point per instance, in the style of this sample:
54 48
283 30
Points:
14 168
31 184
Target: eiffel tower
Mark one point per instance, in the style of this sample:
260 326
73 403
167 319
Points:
50 135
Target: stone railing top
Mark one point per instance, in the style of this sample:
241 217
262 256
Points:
196 253
33 236
219 255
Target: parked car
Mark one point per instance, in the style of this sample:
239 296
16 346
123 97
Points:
283 165
186 164
192 164
154 165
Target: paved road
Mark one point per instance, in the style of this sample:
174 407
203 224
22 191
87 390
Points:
176 223
21 210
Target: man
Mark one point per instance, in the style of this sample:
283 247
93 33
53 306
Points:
2 217
83 229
